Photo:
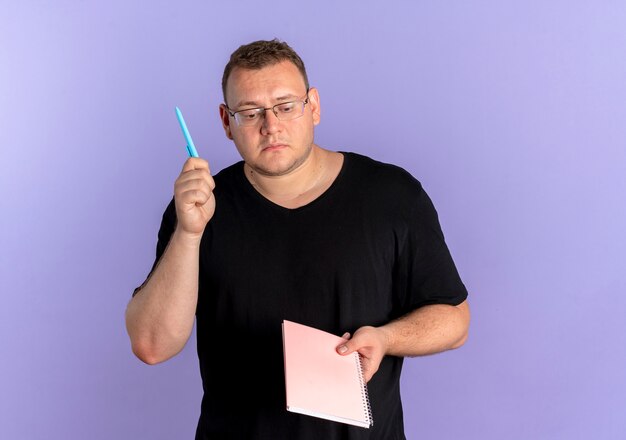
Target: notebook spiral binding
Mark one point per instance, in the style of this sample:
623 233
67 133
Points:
364 393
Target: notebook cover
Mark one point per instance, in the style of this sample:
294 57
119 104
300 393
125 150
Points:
319 381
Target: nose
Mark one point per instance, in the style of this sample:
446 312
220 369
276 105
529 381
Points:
271 123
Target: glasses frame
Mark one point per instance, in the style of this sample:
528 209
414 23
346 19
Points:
265 109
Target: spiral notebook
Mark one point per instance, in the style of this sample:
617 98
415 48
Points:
320 382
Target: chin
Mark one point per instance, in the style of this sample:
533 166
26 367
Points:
278 163
273 169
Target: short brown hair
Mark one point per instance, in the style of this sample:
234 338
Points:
259 54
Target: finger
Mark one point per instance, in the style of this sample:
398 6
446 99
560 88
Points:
347 347
200 184
194 197
196 176
342 349
370 368
191 187
195 163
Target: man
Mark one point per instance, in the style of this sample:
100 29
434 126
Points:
333 240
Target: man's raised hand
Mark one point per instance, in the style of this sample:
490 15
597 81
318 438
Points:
193 195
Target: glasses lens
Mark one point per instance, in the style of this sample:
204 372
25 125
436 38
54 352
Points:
248 117
289 110
285 112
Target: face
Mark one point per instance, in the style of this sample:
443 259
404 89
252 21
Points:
271 147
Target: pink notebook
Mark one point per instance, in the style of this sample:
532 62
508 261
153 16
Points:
319 381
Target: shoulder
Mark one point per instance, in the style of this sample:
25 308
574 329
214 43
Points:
378 176
389 193
230 173
229 180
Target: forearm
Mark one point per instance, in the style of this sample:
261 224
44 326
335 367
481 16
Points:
428 330
160 317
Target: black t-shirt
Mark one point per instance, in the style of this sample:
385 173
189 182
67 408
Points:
368 250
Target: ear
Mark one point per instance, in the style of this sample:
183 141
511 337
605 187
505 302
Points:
314 102
225 117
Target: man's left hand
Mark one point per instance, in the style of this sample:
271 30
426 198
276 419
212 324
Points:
371 344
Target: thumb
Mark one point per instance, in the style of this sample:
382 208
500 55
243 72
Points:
347 346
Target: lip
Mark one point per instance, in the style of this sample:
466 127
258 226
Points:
274 147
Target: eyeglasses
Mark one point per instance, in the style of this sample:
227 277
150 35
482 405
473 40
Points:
285 111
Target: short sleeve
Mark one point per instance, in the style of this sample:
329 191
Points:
427 273
168 224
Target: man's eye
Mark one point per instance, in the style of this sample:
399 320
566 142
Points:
286 108
248 114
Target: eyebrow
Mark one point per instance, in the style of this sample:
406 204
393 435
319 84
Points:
255 104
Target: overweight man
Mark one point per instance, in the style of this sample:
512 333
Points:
331 239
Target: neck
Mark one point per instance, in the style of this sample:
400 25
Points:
302 184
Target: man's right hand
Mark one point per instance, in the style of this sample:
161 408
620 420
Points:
193 195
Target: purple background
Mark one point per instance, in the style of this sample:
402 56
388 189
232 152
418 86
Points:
512 114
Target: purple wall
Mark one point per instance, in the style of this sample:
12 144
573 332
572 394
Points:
512 114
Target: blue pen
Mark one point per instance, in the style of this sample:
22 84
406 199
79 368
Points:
191 148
